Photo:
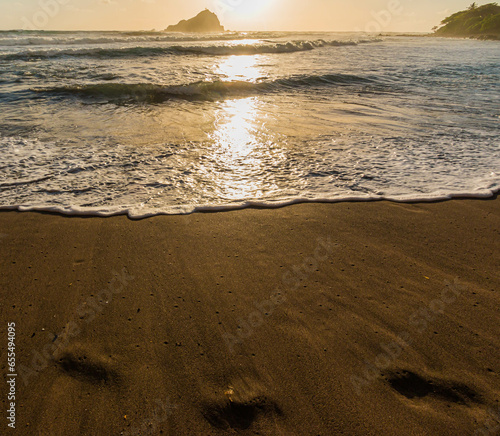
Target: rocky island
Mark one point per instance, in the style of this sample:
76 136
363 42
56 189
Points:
204 22
482 22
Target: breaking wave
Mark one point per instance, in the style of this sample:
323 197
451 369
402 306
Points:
204 90
40 38
199 50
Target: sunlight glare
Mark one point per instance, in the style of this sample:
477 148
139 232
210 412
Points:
253 8
243 68
235 133
235 148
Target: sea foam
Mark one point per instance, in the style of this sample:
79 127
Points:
50 177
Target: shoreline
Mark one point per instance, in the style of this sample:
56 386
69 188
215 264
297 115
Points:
358 318
433 35
474 37
486 195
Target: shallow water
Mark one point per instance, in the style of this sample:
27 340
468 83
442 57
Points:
148 123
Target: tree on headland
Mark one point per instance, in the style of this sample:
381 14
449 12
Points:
475 21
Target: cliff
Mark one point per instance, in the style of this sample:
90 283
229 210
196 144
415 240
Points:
205 21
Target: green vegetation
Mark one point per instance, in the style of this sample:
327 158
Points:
477 22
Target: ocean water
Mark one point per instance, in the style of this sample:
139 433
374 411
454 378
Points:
148 123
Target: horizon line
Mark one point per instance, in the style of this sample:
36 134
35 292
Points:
226 31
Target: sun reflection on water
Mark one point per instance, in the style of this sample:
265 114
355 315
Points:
242 147
235 129
242 68
238 149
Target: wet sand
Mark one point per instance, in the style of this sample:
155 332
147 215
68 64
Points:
315 319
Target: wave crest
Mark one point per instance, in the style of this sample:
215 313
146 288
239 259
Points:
200 50
202 91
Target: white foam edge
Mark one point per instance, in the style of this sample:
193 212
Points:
133 213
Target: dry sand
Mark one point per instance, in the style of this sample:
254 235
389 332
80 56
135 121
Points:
316 319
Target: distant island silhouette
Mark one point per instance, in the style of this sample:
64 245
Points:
482 22
205 21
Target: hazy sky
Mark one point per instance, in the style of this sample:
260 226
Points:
334 15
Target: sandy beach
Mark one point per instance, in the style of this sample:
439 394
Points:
316 319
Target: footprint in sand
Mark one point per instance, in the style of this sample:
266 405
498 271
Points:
240 415
86 365
412 385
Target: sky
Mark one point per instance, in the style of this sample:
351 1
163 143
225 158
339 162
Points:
279 15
